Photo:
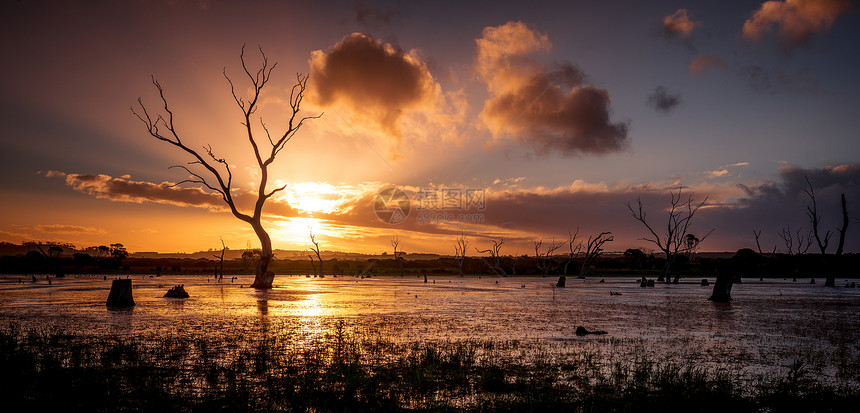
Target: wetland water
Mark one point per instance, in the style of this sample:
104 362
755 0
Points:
770 324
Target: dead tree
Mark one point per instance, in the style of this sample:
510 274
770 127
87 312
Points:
815 220
494 254
543 260
678 222
844 228
220 267
214 173
799 244
573 252
593 249
398 258
514 259
313 265
316 250
460 247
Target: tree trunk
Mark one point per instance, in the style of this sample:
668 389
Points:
664 276
264 278
722 288
120 294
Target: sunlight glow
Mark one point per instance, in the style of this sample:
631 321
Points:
312 196
297 230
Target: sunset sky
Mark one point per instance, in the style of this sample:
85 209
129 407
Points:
557 114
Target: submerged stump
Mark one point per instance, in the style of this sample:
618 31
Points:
177 292
120 294
722 289
582 331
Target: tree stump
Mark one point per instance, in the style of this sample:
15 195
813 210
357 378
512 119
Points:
177 292
561 281
722 289
582 331
705 282
120 294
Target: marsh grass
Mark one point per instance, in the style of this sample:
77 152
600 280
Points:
349 371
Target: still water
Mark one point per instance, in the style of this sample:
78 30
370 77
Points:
769 325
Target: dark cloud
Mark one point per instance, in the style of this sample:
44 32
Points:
662 100
776 80
549 109
374 18
525 214
125 190
372 78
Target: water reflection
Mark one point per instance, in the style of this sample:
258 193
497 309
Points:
760 321
263 306
310 307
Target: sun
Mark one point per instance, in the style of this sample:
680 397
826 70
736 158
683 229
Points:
310 197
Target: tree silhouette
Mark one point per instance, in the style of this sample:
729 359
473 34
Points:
543 260
316 250
216 174
395 242
460 247
494 254
679 220
593 249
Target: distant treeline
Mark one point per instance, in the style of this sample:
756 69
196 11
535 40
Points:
745 263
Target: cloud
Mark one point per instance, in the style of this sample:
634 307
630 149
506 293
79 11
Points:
797 20
549 109
776 80
374 79
521 215
662 100
678 24
374 18
69 229
703 64
124 190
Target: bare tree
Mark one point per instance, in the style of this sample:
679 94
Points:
815 220
220 267
213 172
543 260
398 258
678 222
799 244
460 247
494 254
316 249
593 249
514 258
573 250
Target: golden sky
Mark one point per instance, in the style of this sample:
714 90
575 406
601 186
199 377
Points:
553 117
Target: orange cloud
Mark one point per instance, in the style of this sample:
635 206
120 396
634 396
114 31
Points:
797 20
703 64
372 78
69 229
548 109
124 190
679 24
